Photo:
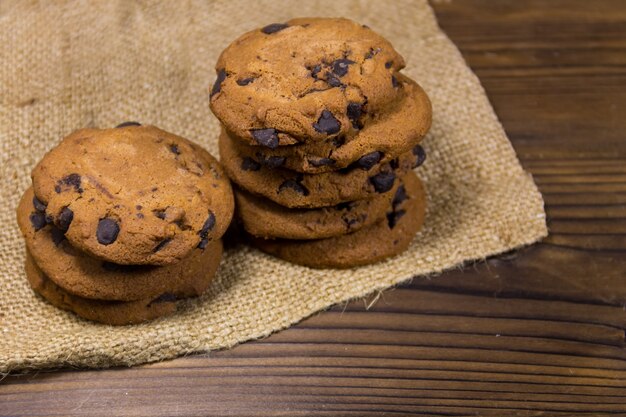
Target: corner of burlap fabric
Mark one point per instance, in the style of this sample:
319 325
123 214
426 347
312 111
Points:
67 66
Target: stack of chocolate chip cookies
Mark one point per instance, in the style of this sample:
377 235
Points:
121 223
321 133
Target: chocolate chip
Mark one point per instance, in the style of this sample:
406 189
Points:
72 180
274 27
38 220
333 81
355 111
383 182
161 245
315 70
65 219
159 213
266 137
249 164
341 66
294 185
388 64
39 206
208 225
273 161
165 298
367 161
399 197
395 163
421 155
57 236
371 53
327 123
217 87
126 124
245 81
393 217
394 81
174 149
321 162
138 207
107 231
206 228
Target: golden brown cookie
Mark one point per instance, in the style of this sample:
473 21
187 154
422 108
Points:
88 277
396 129
388 237
134 194
297 190
307 79
263 218
117 313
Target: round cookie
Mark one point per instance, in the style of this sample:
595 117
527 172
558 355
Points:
134 195
391 132
117 313
304 80
88 277
263 218
384 239
297 190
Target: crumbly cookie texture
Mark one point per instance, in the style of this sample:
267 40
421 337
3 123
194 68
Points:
263 218
117 313
133 195
386 238
394 130
297 190
88 277
306 80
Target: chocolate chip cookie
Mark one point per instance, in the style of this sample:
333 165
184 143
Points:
116 313
133 194
297 190
263 218
395 130
386 238
305 80
88 277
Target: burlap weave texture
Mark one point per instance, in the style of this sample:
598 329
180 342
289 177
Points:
78 64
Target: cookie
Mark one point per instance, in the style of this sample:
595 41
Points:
297 190
263 218
393 131
117 313
305 80
88 277
388 237
133 195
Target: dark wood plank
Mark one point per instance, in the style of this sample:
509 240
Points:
538 331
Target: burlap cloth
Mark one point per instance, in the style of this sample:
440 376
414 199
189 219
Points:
99 63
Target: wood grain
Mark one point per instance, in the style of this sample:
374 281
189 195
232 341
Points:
534 332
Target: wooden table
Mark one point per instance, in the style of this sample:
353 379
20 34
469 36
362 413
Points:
536 332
